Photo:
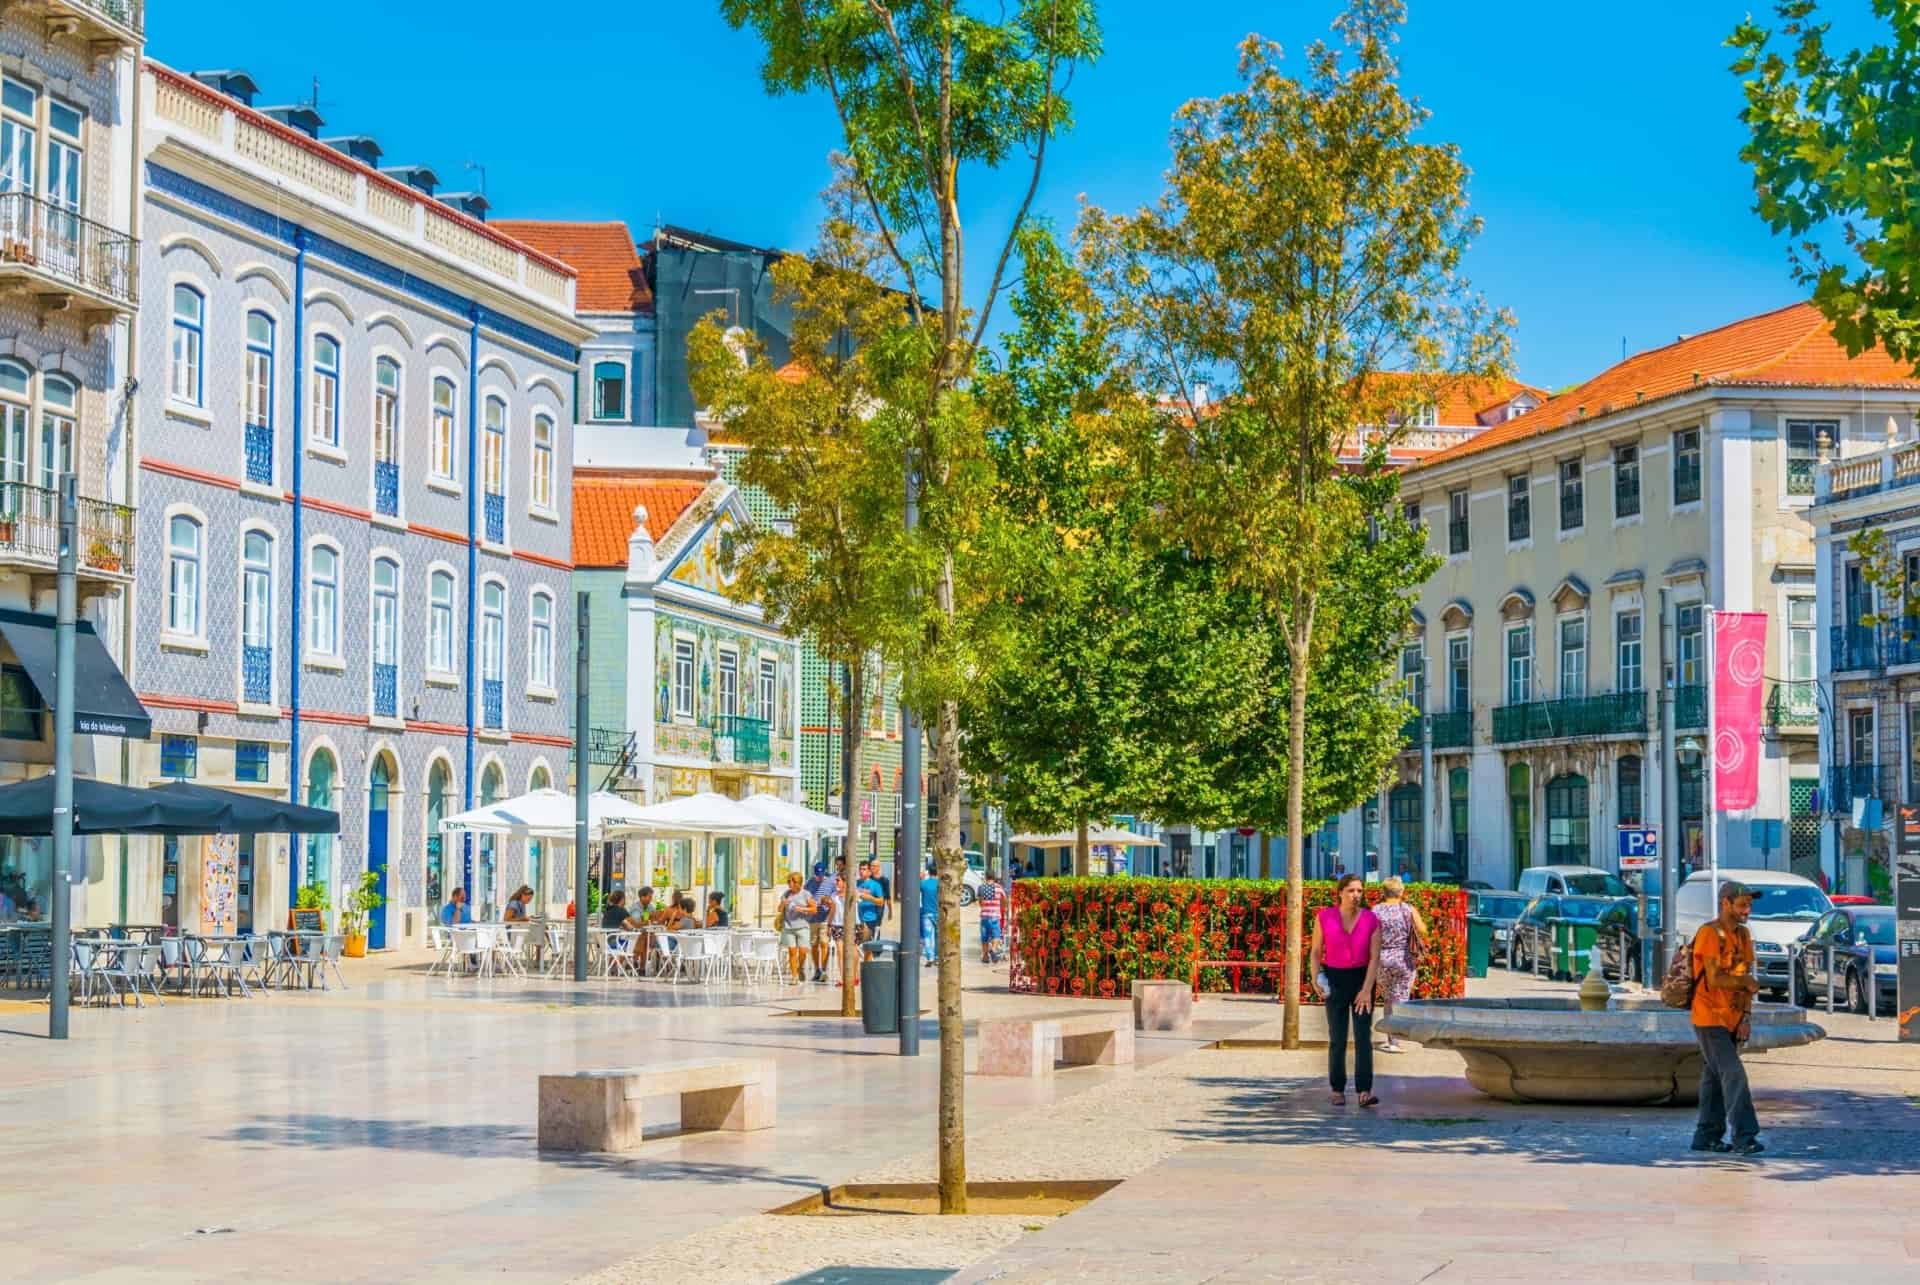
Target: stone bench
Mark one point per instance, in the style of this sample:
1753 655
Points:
600 1110
1026 1046
1161 1005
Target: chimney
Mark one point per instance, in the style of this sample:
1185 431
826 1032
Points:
232 82
418 177
360 147
296 116
639 548
472 204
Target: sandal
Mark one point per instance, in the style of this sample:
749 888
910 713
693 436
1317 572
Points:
1339 1099
1368 1100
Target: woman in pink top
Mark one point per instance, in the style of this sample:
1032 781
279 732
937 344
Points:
1346 960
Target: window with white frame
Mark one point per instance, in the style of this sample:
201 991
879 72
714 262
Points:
189 336
31 120
1460 673
259 372
256 590
1519 664
323 600
1626 480
185 555
1686 466
542 461
729 682
1800 656
1413 677
1519 508
325 428
1628 672
493 631
440 622
1573 657
683 678
386 612
1689 644
1803 448
386 411
1860 738
16 411
540 641
441 455
58 396
493 456
1573 496
769 688
609 389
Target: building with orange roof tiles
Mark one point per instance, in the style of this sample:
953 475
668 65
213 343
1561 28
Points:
1585 542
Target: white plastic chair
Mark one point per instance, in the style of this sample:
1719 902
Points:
440 938
508 943
467 950
616 955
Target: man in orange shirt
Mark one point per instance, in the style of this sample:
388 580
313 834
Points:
1723 991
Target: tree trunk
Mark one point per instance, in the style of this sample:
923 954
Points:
1082 852
952 867
1301 653
850 736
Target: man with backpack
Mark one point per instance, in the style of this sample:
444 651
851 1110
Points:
1723 985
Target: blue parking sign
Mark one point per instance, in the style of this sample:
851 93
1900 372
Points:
1639 847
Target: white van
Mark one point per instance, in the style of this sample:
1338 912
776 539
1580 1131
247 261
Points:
1571 881
1784 907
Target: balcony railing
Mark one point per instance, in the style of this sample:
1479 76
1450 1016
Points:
1855 647
1849 781
112 16
64 248
259 454
386 488
492 703
607 746
1619 714
1900 641
30 530
738 739
496 518
1690 705
256 674
386 690
1453 730
1792 705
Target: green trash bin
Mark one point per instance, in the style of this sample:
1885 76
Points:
1572 940
1479 944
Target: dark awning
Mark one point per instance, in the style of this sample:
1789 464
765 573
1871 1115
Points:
100 807
103 704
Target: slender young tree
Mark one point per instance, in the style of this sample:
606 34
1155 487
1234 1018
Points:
927 91
1308 242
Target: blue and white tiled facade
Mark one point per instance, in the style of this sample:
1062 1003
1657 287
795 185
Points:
351 509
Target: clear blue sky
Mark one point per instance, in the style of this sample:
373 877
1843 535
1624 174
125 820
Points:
1602 140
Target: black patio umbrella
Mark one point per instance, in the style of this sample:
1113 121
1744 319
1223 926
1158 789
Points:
100 807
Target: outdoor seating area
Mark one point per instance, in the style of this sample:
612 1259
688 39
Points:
132 962
707 956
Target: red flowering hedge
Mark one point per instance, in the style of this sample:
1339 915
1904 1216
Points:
1091 937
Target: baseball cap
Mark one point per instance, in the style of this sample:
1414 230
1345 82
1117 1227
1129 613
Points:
1733 889
820 868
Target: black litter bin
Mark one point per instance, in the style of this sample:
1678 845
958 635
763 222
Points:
880 996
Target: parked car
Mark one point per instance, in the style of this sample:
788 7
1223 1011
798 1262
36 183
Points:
1619 940
1852 899
1784 907
1533 930
1571 881
1862 938
1502 908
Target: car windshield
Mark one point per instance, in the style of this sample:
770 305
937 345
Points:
1497 907
1585 909
1597 883
1788 901
1876 930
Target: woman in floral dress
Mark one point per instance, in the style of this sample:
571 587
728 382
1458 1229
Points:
1402 934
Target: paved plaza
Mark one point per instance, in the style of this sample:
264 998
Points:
386 1132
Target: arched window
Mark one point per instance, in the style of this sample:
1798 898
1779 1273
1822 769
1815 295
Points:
184 581
323 599
441 446
1626 780
540 641
57 397
439 782
386 436
1403 820
1568 840
493 469
440 622
542 462
256 616
609 390
189 331
386 637
16 408
318 871
493 637
326 391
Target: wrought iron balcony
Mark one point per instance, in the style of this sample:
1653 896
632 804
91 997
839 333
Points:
1849 781
1690 705
256 674
1619 714
386 690
741 740
608 746
1900 641
1855 647
1792 706
259 454
116 24
1453 730
496 518
66 259
492 703
386 488
30 533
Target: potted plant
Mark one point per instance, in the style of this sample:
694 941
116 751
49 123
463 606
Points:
362 901
101 557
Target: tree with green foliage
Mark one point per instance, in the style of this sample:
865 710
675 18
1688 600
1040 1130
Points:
1308 244
926 90
1834 142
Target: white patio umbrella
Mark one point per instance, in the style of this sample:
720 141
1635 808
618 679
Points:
1098 836
705 817
541 814
783 812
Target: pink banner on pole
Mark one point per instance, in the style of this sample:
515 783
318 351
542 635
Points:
1739 668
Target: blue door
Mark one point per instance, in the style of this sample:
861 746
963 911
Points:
377 852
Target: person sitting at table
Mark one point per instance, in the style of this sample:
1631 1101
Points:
615 914
668 908
683 919
456 911
716 910
516 912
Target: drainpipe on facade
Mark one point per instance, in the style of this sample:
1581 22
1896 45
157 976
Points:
299 540
473 571
132 387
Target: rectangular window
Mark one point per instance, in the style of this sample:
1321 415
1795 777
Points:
1803 446
609 390
1519 507
440 622
729 683
250 762
440 450
1457 534
1412 511
1860 737
1573 496
1800 656
1627 674
1687 633
769 686
493 456
1626 481
542 462
189 316
326 391
21 706
1686 466
1413 676
1573 657
259 369
1519 664
682 678
179 757
1459 674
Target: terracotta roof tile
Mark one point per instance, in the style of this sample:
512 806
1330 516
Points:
611 276
603 512
1789 346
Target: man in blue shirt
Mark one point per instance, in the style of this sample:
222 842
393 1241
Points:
929 911
873 901
455 911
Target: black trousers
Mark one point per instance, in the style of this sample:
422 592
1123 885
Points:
1725 1098
1344 988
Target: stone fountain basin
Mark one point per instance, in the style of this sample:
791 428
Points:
1638 1052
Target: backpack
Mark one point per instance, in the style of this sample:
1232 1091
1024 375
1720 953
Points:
1676 988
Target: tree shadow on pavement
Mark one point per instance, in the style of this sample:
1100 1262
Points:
1810 1133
